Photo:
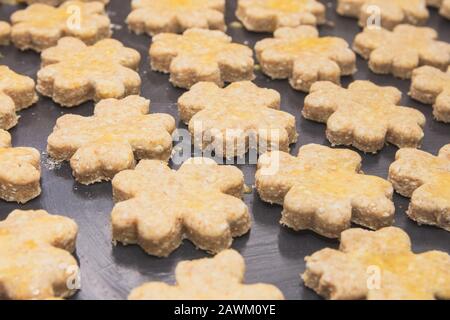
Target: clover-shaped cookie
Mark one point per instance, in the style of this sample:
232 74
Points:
426 180
157 16
389 12
400 51
5 33
157 208
119 133
365 115
40 26
269 15
443 5
432 86
378 266
20 171
73 73
35 256
217 278
52 2
324 190
16 93
300 55
231 120
201 55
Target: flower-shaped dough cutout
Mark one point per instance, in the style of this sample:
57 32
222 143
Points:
5 33
35 256
231 120
300 55
432 86
52 2
269 15
157 16
443 5
400 51
378 265
426 180
365 115
217 278
73 73
201 55
20 171
157 207
16 93
323 190
389 12
40 26
119 133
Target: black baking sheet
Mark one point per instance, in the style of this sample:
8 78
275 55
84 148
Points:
274 254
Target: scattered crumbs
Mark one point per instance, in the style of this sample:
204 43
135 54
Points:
256 67
116 26
248 189
236 25
51 164
111 13
246 42
330 23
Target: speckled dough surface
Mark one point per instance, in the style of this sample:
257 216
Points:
157 207
40 26
50 2
201 55
16 93
73 73
300 55
400 51
5 33
389 12
378 266
157 16
365 115
225 120
426 180
324 190
218 278
119 133
35 256
443 5
269 15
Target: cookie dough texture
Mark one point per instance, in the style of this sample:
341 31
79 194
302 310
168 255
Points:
201 55
269 15
365 115
231 120
119 133
389 12
73 73
300 55
5 33
432 86
443 5
157 207
35 256
16 93
378 266
426 180
157 16
324 190
402 50
217 278
50 2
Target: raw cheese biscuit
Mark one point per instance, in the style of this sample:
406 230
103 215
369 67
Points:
302 56
119 133
16 93
157 16
389 12
378 266
5 33
269 15
432 86
50 2
20 171
201 55
73 73
218 278
40 26
443 5
426 180
400 51
365 115
35 256
231 120
157 207
324 190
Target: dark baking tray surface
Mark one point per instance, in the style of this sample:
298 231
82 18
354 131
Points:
273 253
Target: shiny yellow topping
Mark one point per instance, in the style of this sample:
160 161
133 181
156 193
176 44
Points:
310 45
285 5
442 186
